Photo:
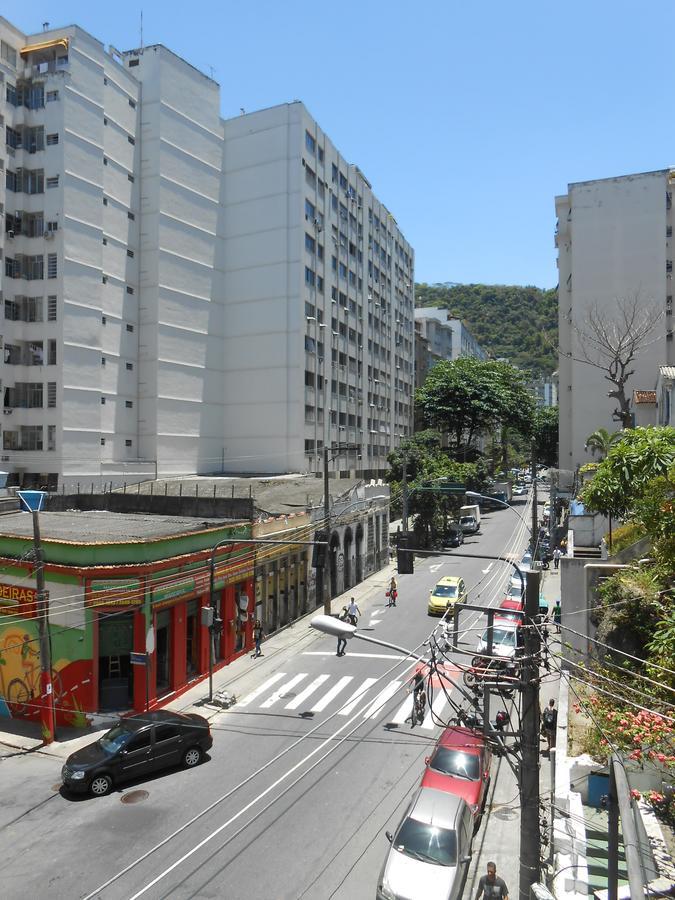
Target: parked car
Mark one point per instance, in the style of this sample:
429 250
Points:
460 764
519 490
504 640
454 539
430 850
514 592
511 608
138 745
448 591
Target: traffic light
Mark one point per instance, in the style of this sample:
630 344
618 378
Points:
405 558
319 550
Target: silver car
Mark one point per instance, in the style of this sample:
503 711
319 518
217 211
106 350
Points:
430 850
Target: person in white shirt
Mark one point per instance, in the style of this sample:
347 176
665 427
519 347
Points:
353 611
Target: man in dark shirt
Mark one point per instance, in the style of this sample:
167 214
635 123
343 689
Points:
491 886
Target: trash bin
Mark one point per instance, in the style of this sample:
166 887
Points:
598 787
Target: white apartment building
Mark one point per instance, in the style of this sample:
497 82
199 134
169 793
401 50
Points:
448 337
148 269
319 281
614 240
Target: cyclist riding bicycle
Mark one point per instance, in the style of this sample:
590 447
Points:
419 699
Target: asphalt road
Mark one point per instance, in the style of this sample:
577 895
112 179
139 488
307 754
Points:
307 771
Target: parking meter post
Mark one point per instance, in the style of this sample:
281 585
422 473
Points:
455 626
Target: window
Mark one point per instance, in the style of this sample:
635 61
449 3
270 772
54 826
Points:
130 178
319 284
130 328
310 143
130 367
309 446
140 741
102 401
52 95
52 227
104 279
52 268
128 442
51 437
105 201
102 442
166 732
8 54
320 149
51 352
310 243
309 277
103 360
132 63
131 216
53 181
131 140
310 211
130 254
132 103
51 308
129 404
130 290
52 140
31 437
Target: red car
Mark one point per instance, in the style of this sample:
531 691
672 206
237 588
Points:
460 764
511 609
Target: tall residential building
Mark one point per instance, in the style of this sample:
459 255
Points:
448 337
319 281
156 261
614 240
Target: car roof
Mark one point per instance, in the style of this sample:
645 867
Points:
438 808
449 579
459 737
156 716
511 603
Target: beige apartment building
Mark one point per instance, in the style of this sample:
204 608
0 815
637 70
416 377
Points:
614 241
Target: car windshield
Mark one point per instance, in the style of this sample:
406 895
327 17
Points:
506 636
454 762
445 590
115 738
427 842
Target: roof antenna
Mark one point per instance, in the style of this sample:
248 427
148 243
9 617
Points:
45 26
141 29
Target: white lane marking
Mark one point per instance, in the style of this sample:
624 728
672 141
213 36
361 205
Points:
356 696
404 711
374 622
283 690
435 567
261 690
332 693
384 695
438 706
360 655
308 691
485 571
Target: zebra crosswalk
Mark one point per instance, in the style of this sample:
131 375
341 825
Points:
344 695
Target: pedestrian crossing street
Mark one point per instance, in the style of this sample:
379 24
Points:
346 695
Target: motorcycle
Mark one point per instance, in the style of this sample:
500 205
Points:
500 673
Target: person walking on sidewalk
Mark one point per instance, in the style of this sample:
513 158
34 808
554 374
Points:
549 723
557 553
353 611
491 886
557 615
257 637
392 592
342 641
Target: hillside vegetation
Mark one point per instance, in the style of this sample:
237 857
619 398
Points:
518 323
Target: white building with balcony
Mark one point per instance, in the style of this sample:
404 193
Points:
171 303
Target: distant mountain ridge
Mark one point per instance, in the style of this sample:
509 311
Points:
518 323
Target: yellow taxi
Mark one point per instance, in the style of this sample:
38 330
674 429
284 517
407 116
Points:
448 591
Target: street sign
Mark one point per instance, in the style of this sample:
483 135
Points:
449 487
138 659
31 501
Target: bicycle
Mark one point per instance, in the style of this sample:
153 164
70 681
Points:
21 692
419 708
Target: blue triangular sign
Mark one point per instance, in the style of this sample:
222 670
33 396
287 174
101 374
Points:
31 501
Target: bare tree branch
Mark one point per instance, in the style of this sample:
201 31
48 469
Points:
611 343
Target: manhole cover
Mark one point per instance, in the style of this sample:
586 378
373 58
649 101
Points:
134 797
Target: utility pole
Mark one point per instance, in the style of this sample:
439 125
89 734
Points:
48 719
404 495
535 525
529 771
326 525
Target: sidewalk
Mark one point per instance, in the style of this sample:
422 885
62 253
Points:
18 736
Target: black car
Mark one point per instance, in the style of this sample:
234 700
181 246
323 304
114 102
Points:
138 745
453 539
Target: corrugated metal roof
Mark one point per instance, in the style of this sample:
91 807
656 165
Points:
667 371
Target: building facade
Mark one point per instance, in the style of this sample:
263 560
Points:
179 294
614 240
319 283
440 336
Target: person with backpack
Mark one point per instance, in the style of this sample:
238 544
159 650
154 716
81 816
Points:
549 723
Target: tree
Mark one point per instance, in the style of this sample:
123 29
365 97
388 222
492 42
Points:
625 477
468 396
546 435
602 441
611 345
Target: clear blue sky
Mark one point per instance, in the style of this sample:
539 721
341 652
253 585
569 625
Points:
468 118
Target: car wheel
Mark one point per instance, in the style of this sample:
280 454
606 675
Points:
101 785
192 757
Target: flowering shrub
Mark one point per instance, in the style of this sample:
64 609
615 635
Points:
662 804
641 736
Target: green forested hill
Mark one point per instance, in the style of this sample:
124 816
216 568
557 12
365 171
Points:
519 323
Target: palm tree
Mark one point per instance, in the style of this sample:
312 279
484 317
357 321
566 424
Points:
602 441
